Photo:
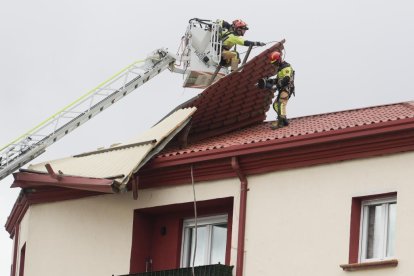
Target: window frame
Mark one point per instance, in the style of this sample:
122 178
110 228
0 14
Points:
202 221
365 204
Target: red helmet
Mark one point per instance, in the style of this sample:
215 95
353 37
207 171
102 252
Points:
240 24
239 27
275 56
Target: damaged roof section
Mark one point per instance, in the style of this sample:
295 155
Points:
234 101
111 167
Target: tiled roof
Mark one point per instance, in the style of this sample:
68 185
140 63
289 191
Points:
235 101
299 127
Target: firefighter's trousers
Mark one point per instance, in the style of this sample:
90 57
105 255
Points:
280 103
231 58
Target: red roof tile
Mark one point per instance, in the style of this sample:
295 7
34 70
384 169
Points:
299 127
234 101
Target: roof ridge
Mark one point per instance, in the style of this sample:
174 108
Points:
409 104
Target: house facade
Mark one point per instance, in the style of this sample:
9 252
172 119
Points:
329 195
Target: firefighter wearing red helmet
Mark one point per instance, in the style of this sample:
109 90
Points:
231 35
275 56
283 82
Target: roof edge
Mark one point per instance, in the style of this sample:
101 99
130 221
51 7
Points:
272 159
408 104
27 180
319 137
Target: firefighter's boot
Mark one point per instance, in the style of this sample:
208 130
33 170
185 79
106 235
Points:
277 124
285 121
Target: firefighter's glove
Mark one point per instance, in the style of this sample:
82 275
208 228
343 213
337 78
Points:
261 83
266 84
257 43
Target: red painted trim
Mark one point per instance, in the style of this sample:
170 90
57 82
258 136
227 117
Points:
180 242
22 260
242 215
32 180
354 231
141 242
355 224
15 248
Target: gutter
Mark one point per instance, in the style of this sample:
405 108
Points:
285 143
242 215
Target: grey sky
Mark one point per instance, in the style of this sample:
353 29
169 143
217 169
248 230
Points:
347 54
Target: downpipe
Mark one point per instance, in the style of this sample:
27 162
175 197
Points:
242 215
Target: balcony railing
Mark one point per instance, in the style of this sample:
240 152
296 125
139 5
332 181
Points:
205 270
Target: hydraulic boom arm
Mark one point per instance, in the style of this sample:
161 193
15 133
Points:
34 142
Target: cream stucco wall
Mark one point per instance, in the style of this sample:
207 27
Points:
92 236
297 221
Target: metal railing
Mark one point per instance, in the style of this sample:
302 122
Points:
205 270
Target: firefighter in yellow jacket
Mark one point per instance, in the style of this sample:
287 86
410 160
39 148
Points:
231 35
283 82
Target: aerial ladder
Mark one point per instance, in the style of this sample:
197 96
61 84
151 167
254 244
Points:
198 59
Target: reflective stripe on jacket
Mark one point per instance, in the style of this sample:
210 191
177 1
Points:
285 72
230 40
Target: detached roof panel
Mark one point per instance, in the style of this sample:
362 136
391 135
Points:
233 102
101 165
164 128
120 161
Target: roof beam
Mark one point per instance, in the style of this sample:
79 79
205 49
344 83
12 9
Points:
32 180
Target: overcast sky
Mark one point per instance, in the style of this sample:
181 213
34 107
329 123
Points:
347 54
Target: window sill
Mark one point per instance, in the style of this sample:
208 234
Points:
369 265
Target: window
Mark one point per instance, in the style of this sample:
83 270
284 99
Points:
211 241
377 234
158 234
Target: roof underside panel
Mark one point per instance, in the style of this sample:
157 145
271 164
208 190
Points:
164 128
121 161
234 101
100 165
